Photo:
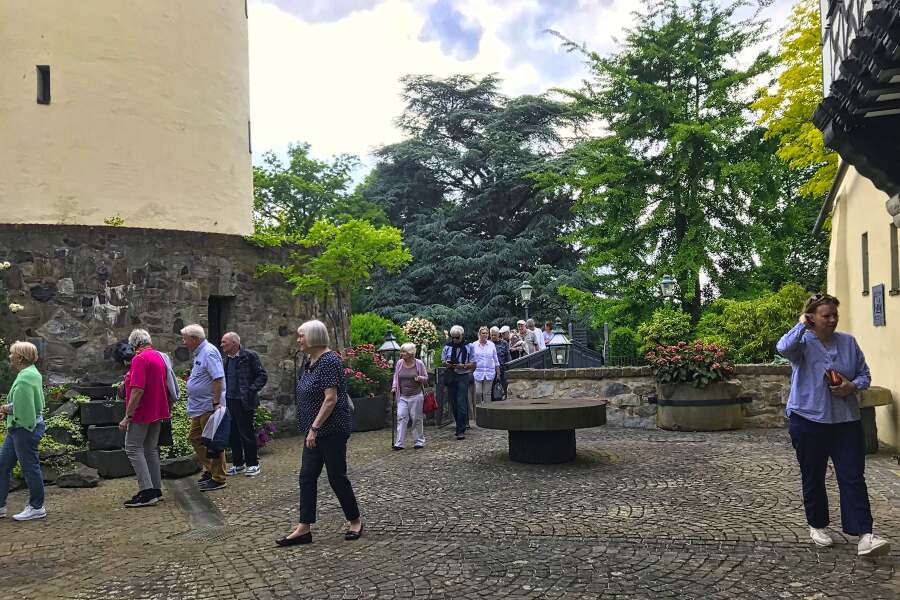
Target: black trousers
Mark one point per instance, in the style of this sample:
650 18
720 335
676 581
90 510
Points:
243 435
843 442
330 452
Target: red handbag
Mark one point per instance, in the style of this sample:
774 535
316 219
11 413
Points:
430 404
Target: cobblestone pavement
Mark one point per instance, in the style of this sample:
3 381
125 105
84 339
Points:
640 514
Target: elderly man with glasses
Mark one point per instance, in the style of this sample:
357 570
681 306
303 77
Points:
456 357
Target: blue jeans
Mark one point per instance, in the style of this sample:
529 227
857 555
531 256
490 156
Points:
22 445
458 395
843 443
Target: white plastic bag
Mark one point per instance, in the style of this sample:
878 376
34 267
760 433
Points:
209 430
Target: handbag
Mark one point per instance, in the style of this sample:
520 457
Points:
430 404
165 433
497 391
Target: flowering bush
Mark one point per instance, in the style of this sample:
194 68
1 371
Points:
367 373
6 372
696 363
263 425
422 333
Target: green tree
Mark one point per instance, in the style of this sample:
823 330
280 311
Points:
667 188
339 256
787 104
667 326
476 223
369 328
288 199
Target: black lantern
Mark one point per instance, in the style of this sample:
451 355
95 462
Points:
559 346
390 349
667 286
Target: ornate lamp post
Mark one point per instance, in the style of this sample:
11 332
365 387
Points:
390 349
667 286
559 346
525 291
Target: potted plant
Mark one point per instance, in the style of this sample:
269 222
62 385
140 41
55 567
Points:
695 391
263 426
368 378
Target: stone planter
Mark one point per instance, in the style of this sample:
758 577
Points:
683 407
369 413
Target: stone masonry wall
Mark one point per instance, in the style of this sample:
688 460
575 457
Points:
626 390
84 289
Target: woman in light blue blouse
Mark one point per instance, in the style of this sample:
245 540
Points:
828 368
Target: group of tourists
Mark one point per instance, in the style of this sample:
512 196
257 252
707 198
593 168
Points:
828 368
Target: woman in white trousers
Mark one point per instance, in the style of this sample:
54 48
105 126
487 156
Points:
487 365
408 388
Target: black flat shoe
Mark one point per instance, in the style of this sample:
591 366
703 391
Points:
354 535
397 448
306 538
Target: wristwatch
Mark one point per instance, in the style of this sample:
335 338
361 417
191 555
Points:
314 429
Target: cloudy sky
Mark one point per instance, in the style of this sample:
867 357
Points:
327 71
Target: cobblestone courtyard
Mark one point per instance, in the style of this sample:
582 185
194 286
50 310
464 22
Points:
640 514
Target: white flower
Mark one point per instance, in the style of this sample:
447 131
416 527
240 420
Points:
14 308
5 265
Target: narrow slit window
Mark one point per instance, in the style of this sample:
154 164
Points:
865 263
43 84
895 263
249 138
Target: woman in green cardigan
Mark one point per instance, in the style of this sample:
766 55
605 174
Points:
24 429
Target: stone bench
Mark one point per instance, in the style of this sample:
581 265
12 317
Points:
541 431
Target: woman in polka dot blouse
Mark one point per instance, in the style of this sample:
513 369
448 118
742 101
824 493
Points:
323 413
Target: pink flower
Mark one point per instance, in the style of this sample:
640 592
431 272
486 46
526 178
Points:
682 344
359 375
716 366
698 358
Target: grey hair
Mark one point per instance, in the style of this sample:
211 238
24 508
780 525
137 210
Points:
234 336
530 322
139 337
457 330
195 331
495 329
315 332
409 348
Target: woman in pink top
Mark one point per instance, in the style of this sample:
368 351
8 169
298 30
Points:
146 406
408 387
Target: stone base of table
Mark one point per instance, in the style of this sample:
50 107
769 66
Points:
542 447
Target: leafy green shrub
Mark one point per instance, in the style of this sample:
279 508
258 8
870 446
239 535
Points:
623 341
181 425
369 328
666 327
752 327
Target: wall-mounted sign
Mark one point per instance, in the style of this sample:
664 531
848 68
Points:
878 305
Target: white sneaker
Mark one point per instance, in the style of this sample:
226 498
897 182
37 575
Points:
872 545
252 471
820 536
31 513
233 470
2 512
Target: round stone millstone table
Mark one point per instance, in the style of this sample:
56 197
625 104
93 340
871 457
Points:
541 431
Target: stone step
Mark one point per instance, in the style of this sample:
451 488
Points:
105 437
109 463
99 412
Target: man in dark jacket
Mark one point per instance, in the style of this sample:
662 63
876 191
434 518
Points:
244 378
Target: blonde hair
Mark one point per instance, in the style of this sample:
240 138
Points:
24 351
315 332
409 348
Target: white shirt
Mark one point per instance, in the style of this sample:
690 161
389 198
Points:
485 358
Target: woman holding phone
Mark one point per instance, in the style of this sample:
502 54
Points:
828 368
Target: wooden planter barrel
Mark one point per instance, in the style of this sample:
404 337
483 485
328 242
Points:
683 407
